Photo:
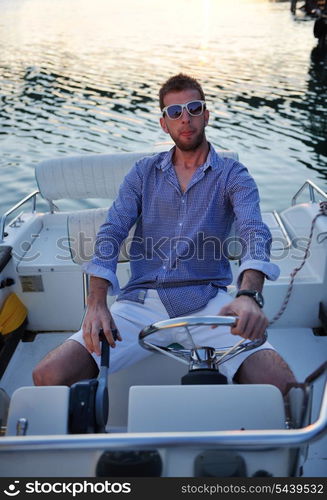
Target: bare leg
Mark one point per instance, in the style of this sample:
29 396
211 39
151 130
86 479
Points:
265 367
65 365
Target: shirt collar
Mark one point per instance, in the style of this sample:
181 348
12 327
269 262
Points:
165 159
213 160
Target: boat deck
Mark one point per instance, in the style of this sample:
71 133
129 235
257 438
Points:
303 350
44 259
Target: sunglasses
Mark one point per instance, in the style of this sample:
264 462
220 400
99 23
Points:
175 111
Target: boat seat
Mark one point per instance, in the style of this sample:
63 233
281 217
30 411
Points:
82 228
84 176
90 176
44 408
178 408
99 176
83 225
210 408
93 176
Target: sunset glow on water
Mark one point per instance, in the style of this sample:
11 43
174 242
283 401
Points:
80 76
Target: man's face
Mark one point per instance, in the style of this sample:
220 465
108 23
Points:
187 132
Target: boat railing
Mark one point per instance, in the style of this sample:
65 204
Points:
238 439
14 208
313 189
288 241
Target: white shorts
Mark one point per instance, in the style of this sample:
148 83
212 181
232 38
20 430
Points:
131 317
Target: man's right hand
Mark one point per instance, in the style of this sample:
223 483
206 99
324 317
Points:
98 317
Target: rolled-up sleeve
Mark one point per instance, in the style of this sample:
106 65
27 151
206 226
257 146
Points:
103 272
269 269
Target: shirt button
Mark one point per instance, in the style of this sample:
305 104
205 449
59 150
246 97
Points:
164 267
180 224
183 201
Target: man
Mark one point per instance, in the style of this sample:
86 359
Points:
183 202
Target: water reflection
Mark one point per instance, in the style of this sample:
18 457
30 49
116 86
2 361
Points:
317 125
77 77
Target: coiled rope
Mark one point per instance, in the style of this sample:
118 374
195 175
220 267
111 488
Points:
322 211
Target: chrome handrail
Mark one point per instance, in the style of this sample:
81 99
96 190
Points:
238 439
283 229
15 207
312 188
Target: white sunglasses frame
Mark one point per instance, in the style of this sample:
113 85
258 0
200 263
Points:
184 106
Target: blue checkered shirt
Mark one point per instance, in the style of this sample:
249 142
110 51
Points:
181 239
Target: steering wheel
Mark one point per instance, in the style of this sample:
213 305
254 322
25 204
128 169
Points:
202 357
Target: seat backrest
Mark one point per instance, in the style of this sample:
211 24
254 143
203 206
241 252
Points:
88 176
82 227
84 176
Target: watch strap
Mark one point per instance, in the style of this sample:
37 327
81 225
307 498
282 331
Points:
254 294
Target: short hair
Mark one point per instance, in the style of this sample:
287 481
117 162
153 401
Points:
178 83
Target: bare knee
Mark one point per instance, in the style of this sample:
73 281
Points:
38 376
42 375
65 365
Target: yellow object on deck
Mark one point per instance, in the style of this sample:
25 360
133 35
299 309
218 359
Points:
12 314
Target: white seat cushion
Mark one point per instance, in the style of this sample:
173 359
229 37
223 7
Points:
88 176
84 176
178 408
83 227
45 408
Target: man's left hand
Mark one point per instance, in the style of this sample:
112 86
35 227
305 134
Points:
251 323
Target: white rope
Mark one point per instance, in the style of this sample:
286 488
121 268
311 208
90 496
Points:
322 211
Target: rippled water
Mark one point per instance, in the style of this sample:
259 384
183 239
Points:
81 76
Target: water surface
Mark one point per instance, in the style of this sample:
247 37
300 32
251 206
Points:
83 77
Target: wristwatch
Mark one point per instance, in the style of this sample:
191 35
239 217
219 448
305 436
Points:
257 296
